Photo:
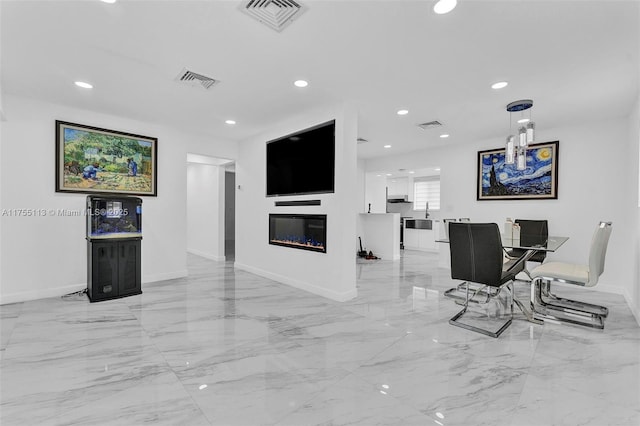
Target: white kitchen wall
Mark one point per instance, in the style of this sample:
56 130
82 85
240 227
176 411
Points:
361 183
46 256
205 210
597 181
330 274
375 193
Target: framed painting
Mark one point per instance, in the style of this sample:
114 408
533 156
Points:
90 159
500 181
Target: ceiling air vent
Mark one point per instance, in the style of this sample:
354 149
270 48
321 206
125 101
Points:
361 140
276 14
195 79
430 125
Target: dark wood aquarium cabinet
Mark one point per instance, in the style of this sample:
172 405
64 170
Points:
114 247
114 269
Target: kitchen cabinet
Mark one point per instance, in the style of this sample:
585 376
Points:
401 186
419 239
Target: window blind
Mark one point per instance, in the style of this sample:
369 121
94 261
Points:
426 190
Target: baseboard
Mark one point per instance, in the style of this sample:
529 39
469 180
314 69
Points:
25 296
207 255
302 285
164 276
634 311
423 249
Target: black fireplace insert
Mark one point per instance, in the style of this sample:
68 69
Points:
300 231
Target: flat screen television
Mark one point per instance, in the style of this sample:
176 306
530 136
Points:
302 162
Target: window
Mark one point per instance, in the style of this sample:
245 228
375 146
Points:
426 190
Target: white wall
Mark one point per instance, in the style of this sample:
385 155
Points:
634 152
595 183
205 210
46 256
375 192
361 183
2 118
330 274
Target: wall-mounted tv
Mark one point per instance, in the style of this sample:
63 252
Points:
303 162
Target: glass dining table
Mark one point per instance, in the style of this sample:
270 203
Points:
528 245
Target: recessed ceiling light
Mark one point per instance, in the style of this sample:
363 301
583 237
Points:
231 122
388 174
444 6
499 85
437 170
83 85
108 1
444 135
523 120
411 172
301 83
403 112
387 146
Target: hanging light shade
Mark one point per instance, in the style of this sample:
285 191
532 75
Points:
510 150
531 132
522 137
522 159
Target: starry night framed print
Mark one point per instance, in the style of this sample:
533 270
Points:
500 181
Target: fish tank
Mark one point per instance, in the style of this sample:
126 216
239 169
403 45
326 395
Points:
111 217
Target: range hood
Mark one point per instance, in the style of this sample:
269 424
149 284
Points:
398 199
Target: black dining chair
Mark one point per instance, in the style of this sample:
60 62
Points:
532 233
477 257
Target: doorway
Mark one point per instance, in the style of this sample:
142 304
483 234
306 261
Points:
207 205
230 213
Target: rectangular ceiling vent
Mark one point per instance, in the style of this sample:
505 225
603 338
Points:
430 125
195 79
361 140
276 14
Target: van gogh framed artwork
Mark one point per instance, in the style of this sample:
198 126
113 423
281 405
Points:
500 181
91 159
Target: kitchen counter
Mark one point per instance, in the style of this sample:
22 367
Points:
380 233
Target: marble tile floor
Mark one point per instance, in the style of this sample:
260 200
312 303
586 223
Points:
225 347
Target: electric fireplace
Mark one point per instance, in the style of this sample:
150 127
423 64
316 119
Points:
300 231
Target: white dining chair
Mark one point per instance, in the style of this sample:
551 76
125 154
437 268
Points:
568 310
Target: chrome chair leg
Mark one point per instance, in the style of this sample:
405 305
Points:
564 310
454 321
454 292
562 303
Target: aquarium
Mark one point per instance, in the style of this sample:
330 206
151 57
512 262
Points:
111 217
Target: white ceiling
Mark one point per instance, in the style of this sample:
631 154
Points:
578 61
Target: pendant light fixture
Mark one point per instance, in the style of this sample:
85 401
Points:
516 146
